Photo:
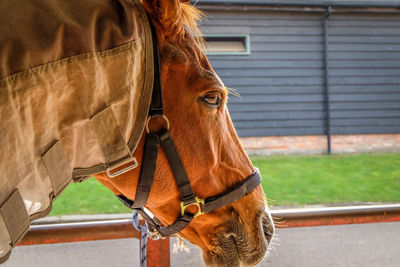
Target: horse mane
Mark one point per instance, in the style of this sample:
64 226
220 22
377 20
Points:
191 16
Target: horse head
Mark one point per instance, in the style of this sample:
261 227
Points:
195 102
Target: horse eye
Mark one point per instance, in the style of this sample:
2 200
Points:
212 99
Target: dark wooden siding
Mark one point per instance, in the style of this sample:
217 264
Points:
364 60
281 82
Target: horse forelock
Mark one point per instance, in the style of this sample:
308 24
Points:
190 17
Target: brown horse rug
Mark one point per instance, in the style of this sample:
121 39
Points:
76 79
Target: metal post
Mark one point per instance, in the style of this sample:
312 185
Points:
327 93
158 253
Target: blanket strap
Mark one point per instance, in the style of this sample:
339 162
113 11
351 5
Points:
112 143
15 217
58 167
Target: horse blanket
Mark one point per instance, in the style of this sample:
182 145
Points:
76 79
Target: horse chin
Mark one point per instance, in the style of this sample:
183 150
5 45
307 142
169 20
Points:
236 246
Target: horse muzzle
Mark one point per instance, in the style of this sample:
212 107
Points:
241 244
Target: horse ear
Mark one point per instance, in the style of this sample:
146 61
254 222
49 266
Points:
166 13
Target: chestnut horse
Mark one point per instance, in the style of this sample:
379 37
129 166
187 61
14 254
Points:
195 103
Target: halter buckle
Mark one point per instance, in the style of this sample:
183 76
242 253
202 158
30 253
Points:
197 203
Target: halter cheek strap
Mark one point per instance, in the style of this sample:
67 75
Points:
163 138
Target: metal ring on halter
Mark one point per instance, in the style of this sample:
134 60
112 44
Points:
155 116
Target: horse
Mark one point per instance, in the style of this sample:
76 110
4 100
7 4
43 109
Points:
195 103
226 213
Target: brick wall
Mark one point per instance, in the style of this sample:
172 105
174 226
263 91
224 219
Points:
317 144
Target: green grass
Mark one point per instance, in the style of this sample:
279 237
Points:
287 181
88 197
295 180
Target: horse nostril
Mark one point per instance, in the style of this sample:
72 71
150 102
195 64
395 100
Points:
268 226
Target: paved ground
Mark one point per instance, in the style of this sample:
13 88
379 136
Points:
363 245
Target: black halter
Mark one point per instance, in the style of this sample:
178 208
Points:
163 138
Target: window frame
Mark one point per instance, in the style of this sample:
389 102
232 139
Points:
246 42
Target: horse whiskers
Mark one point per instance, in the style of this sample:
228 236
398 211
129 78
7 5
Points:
233 91
276 241
279 221
238 243
226 253
273 244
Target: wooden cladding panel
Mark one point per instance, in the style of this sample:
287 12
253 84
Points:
282 84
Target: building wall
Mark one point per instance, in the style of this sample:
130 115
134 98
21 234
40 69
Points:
281 82
364 61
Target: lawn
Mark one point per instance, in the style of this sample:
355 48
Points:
287 181
337 179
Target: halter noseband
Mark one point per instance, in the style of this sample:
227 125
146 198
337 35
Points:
147 171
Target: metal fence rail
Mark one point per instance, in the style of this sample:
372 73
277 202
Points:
337 215
158 251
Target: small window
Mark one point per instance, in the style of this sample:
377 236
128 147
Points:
227 44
